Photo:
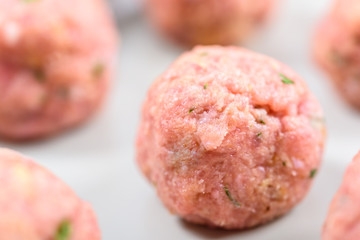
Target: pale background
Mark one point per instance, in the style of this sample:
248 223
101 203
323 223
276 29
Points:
97 159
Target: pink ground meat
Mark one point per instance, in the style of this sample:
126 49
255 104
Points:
36 205
230 138
343 220
56 60
208 21
337 48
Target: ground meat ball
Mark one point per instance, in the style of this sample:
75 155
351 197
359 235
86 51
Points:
36 205
208 21
230 138
343 220
56 58
337 48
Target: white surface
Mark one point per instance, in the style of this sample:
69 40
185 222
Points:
125 8
97 160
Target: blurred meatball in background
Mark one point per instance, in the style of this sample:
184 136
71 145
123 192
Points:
36 205
337 48
56 61
342 222
193 22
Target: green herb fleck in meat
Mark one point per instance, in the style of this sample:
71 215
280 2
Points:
261 122
259 134
236 203
39 75
285 79
284 164
191 110
313 173
205 86
98 70
338 59
64 231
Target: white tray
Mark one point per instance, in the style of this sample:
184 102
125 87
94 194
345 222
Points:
97 159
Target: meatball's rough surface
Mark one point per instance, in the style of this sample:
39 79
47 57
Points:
230 138
56 59
36 205
208 21
337 48
342 222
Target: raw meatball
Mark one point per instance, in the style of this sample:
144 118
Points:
125 9
208 21
337 48
56 59
36 205
342 222
230 138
